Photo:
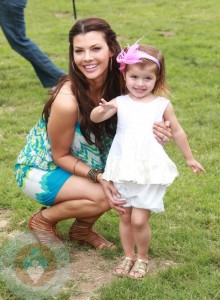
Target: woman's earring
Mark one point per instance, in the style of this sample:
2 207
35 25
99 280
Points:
110 64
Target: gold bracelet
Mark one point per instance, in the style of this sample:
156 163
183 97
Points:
92 174
74 168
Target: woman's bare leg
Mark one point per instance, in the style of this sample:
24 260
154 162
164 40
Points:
78 198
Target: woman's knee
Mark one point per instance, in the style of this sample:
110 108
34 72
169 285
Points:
102 203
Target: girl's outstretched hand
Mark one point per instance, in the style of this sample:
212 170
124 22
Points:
106 106
110 191
195 166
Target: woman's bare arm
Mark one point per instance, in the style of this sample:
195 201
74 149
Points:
61 130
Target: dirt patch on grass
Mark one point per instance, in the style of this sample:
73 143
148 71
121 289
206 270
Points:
89 270
63 14
4 218
167 34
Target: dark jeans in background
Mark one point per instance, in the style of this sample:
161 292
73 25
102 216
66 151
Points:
13 25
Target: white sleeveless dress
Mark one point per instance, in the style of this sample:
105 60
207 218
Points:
135 156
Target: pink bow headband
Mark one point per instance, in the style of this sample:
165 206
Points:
132 56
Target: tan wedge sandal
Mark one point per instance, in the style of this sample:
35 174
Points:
124 266
83 233
140 268
43 229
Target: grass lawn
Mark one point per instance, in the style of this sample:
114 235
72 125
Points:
188 233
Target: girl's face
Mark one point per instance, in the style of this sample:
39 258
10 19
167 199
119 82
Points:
140 80
91 54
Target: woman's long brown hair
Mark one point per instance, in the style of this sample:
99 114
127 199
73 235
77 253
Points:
80 87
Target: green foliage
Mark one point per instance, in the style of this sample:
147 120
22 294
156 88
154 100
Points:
188 232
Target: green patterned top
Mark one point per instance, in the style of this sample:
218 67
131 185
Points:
37 152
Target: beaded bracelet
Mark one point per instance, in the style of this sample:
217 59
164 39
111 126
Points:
92 174
74 168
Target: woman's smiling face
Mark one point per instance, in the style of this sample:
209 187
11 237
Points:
91 54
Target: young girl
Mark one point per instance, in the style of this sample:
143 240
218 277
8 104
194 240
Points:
138 166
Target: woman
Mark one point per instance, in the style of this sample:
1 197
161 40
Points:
65 154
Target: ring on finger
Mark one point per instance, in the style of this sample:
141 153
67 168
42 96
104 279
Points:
164 138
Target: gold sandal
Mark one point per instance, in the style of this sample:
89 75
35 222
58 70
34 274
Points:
140 267
125 266
83 233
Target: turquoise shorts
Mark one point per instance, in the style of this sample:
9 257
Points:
40 185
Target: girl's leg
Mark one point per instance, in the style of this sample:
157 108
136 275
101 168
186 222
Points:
142 231
126 233
127 240
142 236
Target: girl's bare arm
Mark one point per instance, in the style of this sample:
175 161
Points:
180 139
104 111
